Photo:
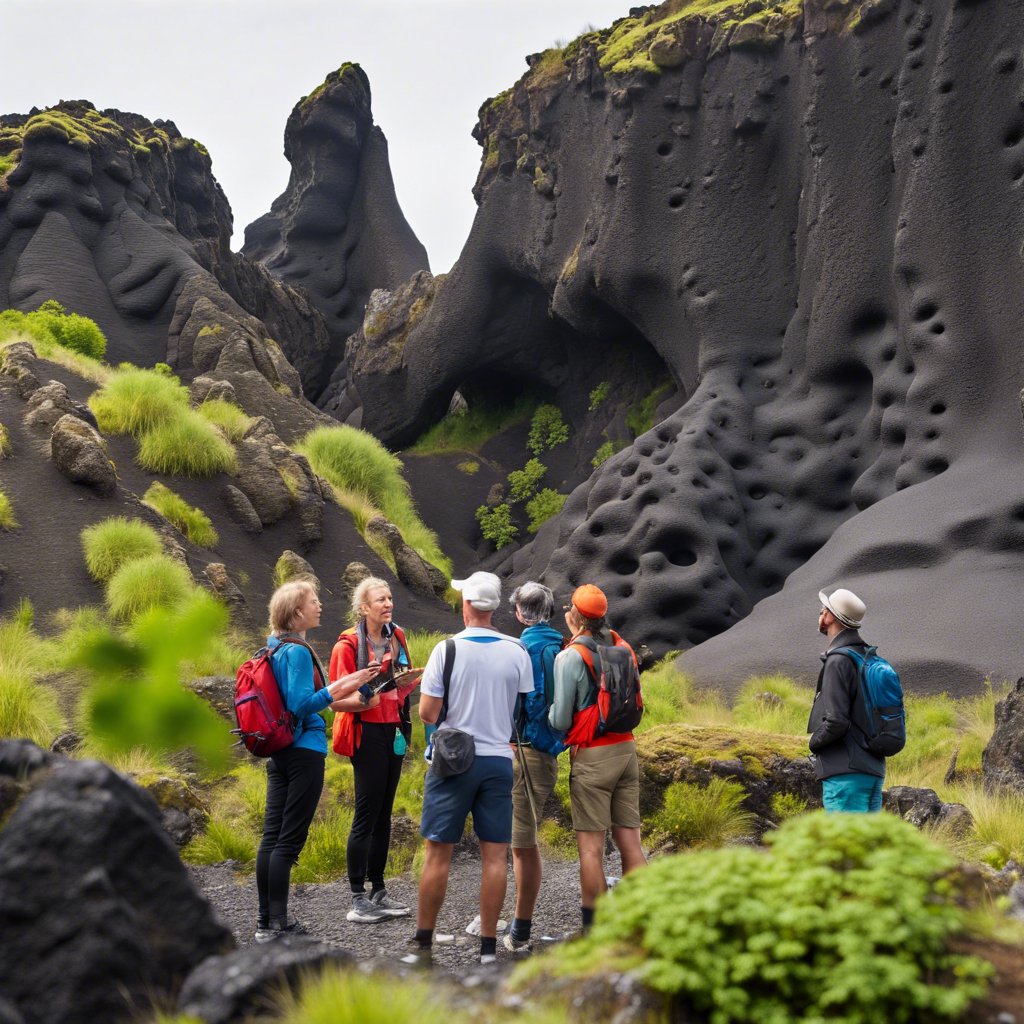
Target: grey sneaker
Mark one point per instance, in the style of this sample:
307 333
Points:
513 945
391 907
276 931
364 912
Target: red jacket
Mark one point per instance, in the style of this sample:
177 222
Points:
343 662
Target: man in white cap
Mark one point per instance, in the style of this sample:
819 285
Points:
851 776
485 671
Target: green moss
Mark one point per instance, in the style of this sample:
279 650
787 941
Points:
701 744
210 329
606 451
335 76
640 419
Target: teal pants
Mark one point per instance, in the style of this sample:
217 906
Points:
857 793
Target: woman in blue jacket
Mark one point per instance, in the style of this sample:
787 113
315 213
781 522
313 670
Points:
295 775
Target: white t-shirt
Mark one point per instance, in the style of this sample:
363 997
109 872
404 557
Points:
490 669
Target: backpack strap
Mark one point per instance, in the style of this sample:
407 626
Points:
446 678
319 675
586 647
547 659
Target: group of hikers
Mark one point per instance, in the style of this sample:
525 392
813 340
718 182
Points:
498 711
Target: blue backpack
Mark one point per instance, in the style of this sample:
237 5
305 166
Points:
883 695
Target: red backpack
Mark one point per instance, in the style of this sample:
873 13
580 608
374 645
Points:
619 705
265 725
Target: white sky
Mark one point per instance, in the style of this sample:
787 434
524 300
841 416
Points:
228 73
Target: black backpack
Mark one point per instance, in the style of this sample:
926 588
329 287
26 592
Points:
620 705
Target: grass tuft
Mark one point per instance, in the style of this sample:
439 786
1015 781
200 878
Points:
186 446
192 522
469 431
7 518
112 542
231 420
145 583
699 816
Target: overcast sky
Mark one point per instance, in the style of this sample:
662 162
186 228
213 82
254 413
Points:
228 73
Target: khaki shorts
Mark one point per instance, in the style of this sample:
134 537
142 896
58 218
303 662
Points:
604 788
543 771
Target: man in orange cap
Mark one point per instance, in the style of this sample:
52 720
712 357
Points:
604 783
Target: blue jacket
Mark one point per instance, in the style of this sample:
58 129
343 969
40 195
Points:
293 670
543 643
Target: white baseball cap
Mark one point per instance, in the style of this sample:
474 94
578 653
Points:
845 605
482 590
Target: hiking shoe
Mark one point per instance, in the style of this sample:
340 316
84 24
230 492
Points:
388 906
277 931
514 945
364 912
488 958
417 955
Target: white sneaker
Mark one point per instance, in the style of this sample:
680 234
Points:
388 906
473 928
488 958
364 912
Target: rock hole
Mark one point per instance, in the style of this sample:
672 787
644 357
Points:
676 199
946 87
936 465
930 435
664 149
649 497
629 468
596 529
889 353
623 563
925 312
1013 136
869 320
739 462
938 408
938 328
644 477
896 435
757 492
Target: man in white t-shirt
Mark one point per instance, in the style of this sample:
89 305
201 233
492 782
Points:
488 671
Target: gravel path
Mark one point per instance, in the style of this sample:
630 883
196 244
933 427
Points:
322 908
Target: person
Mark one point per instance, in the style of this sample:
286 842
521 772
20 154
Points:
295 775
539 747
851 776
604 781
488 671
377 762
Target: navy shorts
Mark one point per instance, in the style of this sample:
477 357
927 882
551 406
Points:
485 791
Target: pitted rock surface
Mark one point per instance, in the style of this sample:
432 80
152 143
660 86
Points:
1002 760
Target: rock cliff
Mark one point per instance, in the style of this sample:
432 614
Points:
337 230
807 216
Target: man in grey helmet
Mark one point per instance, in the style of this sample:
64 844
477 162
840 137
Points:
851 776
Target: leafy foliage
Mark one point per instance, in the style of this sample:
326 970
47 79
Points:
705 816
496 524
547 429
522 483
599 394
606 451
49 323
846 918
112 542
192 522
640 418
543 506
137 697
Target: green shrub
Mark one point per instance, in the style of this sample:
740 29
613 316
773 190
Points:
774 704
705 816
49 325
112 542
470 467
470 430
232 421
640 418
522 483
143 583
7 517
606 451
787 805
547 429
542 506
356 462
845 918
599 394
997 833
82 335
186 446
134 401
192 522
496 524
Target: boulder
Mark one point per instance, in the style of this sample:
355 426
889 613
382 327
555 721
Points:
238 986
204 389
215 575
48 403
922 807
218 692
413 570
240 509
354 574
94 894
1002 761
291 566
182 813
16 368
260 481
79 453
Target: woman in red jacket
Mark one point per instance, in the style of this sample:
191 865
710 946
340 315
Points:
383 734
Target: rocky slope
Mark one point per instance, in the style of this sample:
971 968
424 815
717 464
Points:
337 230
806 216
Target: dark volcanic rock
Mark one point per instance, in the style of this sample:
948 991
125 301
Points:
922 807
100 919
1002 760
760 224
78 452
337 230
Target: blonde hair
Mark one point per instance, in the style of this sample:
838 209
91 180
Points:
362 592
285 602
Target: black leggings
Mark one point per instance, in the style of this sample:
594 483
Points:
377 769
295 779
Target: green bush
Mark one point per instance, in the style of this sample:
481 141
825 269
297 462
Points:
8 521
599 394
787 805
522 483
711 815
134 401
112 542
496 524
640 418
186 446
82 335
845 918
143 583
547 429
232 421
542 506
51 325
606 451
192 522
356 462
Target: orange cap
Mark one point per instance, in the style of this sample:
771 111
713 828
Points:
590 601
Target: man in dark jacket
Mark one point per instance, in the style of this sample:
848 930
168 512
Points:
851 776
